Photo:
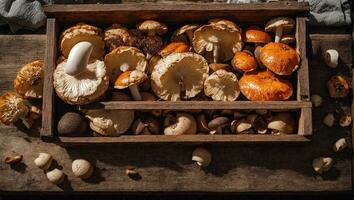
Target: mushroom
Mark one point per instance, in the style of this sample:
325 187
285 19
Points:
185 125
280 26
56 176
82 168
174 47
216 66
13 159
152 43
288 39
29 80
316 100
322 164
282 123
241 126
340 145
244 62
12 108
124 59
43 161
279 58
345 120
222 86
133 173
265 86
202 157
202 123
179 76
217 124
78 58
72 124
185 33
329 120
83 88
331 57
338 86
116 36
131 80
35 113
255 35
82 32
224 22
217 41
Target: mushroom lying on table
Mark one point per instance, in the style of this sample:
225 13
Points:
280 26
179 76
131 80
222 86
12 108
185 33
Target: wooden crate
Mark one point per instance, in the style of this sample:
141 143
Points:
62 16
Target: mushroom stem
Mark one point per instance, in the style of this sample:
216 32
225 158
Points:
134 91
278 33
215 53
124 67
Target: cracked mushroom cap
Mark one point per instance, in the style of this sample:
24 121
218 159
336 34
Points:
152 26
12 108
84 88
181 34
279 58
82 32
285 22
127 58
110 122
244 62
129 78
188 69
222 86
225 22
116 35
265 86
29 80
227 39
255 35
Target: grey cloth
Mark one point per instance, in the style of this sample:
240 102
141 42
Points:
21 14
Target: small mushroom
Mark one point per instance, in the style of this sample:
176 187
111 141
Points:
282 123
260 125
222 86
244 62
224 22
241 126
217 124
202 123
255 35
340 145
202 157
174 47
345 120
29 80
131 80
185 125
56 176
338 86
78 58
322 164
12 108
13 159
82 168
316 100
331 57
288 39
217 66
280 26
116 36
169 120
329 120
138 127
43 161
185 33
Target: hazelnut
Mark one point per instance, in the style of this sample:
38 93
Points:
43 161
82 168
329 120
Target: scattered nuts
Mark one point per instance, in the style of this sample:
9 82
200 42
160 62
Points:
322 164
340 145
56 176
43 161
13 159
217 124
72 124
338 86
82 168
329 120
345 120
202 157
316 100
282 123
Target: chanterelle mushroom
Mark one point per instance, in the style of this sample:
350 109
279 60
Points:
29 80
179 76
124 59
82 32
116 36
184 125
280 25
131 79
222 86
185 33
217 41
12 108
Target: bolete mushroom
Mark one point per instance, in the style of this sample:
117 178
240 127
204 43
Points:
282 123
217 42
12 108
116 36
82 32
241 126
124 59
280 26
279 58
72 124
185 125
338 86
179 76
185 33
78 58
131 80
265 86
29 80
243 61
217 124
222 86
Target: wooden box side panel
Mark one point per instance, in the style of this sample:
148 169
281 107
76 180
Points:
305 122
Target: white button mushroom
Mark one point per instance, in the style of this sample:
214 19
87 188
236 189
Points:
329 120
82 168
322 164
78 58
43 161
55 176
316 100
331 57
202 157
340 145
185 124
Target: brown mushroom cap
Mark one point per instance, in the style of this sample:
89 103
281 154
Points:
285 22
279 58
116 35
217 66
12 108
29 80
152 26
222 86
174 47
82 32
255 35
129 78
244 62
184 33
225 22
265 86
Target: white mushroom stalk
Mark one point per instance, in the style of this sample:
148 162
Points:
78 58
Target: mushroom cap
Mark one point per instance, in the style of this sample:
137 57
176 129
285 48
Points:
152 25
166 76
228 39
110 122
265 86
287 39
179 34
225 22
12 108
222 86
282 122
244 62
279 58
255 35
116 35
185 125
82 32
129 78
84 88
29 80
217 66
131 56
174 47
285 22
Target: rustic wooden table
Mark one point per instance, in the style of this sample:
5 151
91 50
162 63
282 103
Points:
168 168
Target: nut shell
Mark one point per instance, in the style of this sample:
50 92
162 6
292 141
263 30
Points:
72 123
82 168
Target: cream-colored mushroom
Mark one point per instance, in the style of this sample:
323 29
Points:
280 25
322 164
185 125
222 86
116 36
331 57
82 168
43 161
316 100
241 126
329 120
340 145
55 176
217 124
282 123
202 157
78 58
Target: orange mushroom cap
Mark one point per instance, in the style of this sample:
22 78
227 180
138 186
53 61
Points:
255 35
174 47
129 78
244 61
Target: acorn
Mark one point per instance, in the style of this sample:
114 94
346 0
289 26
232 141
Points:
72 123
